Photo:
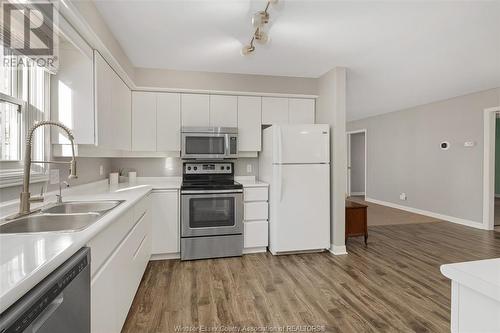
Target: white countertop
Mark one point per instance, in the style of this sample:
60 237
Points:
482 276
26 259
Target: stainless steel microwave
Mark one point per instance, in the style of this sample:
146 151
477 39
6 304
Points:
209 142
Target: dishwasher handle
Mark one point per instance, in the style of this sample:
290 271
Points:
47 312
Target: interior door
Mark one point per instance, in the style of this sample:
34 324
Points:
301 144
300 208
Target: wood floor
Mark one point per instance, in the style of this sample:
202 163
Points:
393 285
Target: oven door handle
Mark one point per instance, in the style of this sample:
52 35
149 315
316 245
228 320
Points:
212 191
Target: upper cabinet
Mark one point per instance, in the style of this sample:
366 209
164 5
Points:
223 111
113 101
156 121
287 111
144 121
195 110
301 111
168 122
274 110
72 95
249 123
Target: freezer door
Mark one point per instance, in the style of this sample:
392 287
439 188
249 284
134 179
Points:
300 208
302 144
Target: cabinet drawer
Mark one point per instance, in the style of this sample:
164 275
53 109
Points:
255 194
255 211
256 234
106 241
141 207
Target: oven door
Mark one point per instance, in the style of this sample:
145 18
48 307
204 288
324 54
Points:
208 213
204 145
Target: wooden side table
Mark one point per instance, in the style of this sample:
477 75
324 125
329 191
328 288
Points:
356 223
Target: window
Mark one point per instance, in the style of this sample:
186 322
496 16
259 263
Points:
24 99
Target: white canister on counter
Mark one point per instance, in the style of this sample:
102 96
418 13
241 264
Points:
132 176
113 178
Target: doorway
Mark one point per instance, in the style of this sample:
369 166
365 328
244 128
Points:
356 163
496 209
489 167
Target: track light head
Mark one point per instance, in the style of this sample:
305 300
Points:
259 19
247 50
261 36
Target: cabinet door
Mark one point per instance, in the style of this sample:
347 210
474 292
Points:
165 217
103 86
195 110
301 111
72 96
168 122
274 110
121 103
143 121
249 123
223 111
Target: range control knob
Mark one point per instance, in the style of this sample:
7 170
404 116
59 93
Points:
222 167
189 168
196 168
228 168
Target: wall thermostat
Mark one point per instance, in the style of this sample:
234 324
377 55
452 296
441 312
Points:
445 145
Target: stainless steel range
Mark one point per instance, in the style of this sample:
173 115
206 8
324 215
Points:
211 211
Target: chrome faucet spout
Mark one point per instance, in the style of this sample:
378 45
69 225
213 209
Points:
24 204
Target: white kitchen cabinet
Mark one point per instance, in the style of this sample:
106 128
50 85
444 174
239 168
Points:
223 111
168 122
274 110
255 218
165 220
195 110
249 123
143 121
113 107
72 96
301 111
256 234
115 283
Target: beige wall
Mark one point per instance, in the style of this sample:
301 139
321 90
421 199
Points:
331 109
165 78
403 155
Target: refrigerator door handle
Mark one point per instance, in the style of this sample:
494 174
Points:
280 146
280 186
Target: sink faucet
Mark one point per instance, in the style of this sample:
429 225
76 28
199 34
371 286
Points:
25 197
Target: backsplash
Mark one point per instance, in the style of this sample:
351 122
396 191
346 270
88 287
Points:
87 170
172 166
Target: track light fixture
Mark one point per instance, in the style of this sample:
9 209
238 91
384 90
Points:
259 20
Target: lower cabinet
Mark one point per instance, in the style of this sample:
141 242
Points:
115 283
166 223
255 221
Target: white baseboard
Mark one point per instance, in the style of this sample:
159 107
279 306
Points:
357 193
338 249
165 256
469 223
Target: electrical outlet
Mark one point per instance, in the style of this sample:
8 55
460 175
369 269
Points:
101 170
249 168
403 196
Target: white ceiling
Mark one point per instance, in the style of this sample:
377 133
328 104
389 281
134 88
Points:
399 54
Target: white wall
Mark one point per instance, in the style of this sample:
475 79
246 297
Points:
403 155
331 109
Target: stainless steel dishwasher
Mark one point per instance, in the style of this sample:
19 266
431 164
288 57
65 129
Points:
59 303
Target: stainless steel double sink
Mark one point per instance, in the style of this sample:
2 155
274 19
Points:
66 216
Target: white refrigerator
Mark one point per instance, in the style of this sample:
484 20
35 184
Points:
295 161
